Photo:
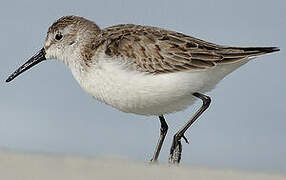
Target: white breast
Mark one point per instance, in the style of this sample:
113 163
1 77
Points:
141 93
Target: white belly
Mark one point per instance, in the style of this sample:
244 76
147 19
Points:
146 94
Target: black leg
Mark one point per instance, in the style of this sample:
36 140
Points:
176 148
163 132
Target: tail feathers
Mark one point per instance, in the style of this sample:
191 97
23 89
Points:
250 51
234 54
257 50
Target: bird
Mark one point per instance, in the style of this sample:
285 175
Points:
142 69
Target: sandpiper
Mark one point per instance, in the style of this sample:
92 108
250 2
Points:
141 69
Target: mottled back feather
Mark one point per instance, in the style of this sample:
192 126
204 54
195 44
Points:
157 50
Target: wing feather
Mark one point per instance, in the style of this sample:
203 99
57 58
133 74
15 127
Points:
157 50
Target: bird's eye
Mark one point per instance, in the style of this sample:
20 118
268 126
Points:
58 37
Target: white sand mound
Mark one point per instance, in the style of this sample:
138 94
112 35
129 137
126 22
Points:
15 166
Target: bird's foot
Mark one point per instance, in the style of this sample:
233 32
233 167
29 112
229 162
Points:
176 149
175 153
153 162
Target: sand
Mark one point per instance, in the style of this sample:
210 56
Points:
25 166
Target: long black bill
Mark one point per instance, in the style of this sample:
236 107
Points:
37 58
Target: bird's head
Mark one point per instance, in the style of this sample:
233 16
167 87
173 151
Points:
62 41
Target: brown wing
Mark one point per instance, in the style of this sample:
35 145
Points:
156 50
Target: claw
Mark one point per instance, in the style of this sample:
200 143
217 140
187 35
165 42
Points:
186 140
